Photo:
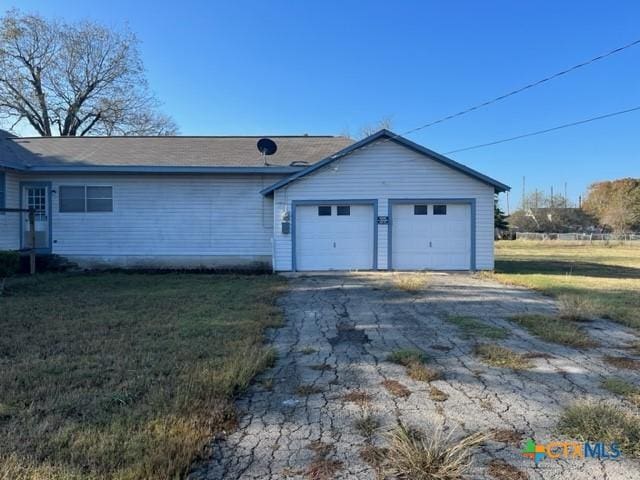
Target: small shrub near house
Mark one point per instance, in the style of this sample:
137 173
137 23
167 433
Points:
9 265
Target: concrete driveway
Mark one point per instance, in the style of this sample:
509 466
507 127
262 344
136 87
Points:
339 331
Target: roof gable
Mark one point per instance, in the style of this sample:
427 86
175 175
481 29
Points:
390 136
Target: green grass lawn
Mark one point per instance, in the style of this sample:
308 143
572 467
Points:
125 376
605 277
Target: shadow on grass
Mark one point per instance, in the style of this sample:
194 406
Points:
559 267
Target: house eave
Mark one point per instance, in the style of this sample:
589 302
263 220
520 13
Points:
174 170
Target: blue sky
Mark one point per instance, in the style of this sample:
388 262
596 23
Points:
333 67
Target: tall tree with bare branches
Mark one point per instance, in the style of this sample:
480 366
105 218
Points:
75 79
370 129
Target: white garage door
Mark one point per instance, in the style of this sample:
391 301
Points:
431 236
334 237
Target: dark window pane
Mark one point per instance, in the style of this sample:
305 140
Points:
99 205
71 205
99 199
71 199
439 209
420 209
344 210
324 210
98 192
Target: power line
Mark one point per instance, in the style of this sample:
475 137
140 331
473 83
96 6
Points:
526 87
515 92
546 130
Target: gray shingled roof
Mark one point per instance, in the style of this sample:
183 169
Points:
23 152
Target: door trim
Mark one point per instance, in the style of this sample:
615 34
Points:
372 202
459 201
49 216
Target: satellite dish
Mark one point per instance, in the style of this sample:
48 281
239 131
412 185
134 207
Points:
266 146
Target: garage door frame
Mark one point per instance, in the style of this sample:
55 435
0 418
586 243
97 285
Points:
372 202
459 201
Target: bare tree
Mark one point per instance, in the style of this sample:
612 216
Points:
75 79
383 123
551 214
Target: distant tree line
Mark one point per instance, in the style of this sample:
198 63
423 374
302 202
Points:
611 206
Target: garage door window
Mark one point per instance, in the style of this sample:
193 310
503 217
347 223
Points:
420 209
343 210
439 209
324 211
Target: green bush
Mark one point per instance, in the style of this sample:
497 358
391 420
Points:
9 263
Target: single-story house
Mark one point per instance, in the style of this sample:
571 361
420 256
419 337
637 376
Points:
318 203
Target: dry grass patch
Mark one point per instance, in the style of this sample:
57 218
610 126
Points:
428 457
578 308
411 282
407 356
555 330
367 424
422 373
473 328
307 389
322 467
437 395
359 397
396 389
623 388
622 362
501 470
125 376
320 448
498 356
602 422
414 362
374 456
506 435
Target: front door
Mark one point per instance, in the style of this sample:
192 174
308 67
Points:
36 196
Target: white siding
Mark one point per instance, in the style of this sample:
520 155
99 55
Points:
10 222
382 171
177 216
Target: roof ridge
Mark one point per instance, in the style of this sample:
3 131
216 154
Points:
176 136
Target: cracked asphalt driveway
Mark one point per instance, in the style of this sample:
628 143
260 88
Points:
338 333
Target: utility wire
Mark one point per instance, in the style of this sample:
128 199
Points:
515 92
526 87
547 130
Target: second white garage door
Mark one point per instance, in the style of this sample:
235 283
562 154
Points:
334 237
428 236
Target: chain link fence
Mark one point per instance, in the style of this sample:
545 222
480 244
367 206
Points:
580 237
